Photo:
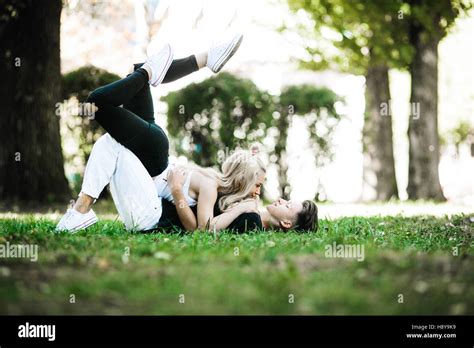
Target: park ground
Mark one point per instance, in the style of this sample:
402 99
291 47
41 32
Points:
415 263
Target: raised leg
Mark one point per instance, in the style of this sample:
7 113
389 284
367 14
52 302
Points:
141 103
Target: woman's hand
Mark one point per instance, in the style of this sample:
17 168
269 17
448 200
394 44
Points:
225 219
249 205
176 177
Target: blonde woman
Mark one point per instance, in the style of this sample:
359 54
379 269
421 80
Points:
133 156
242 177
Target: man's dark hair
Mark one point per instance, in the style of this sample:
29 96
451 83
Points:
307 218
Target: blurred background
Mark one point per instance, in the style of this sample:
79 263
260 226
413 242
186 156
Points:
352 101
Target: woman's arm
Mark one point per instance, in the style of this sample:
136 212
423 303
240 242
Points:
186 216
205 206
223 220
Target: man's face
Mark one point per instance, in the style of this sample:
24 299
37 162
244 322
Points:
285 212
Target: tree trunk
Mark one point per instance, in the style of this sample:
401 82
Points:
285 188
423 176
283 123
31 159
379 167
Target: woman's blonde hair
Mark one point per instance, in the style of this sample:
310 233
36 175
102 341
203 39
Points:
239 176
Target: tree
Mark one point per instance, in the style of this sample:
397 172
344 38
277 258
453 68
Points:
207 120
317 106
31 160
427 23
366 40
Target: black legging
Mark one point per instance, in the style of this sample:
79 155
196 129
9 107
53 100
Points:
133 125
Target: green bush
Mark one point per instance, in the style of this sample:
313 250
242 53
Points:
217 115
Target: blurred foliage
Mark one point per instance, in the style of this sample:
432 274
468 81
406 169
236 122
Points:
317 107
208 119
79 83
79 133
434 18
350 36
462 133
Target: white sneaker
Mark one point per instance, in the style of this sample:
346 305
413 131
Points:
159 64
219 54
74 221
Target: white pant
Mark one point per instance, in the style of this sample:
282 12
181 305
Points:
132 187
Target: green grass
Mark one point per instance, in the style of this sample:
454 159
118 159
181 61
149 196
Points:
412 257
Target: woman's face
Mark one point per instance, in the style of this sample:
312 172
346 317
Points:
258 185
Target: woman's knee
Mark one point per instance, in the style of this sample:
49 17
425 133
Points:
106 146
104 142
96 96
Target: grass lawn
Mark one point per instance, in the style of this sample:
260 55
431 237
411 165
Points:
409 266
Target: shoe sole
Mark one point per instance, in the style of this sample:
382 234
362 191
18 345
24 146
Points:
230 51
84 225
165 68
